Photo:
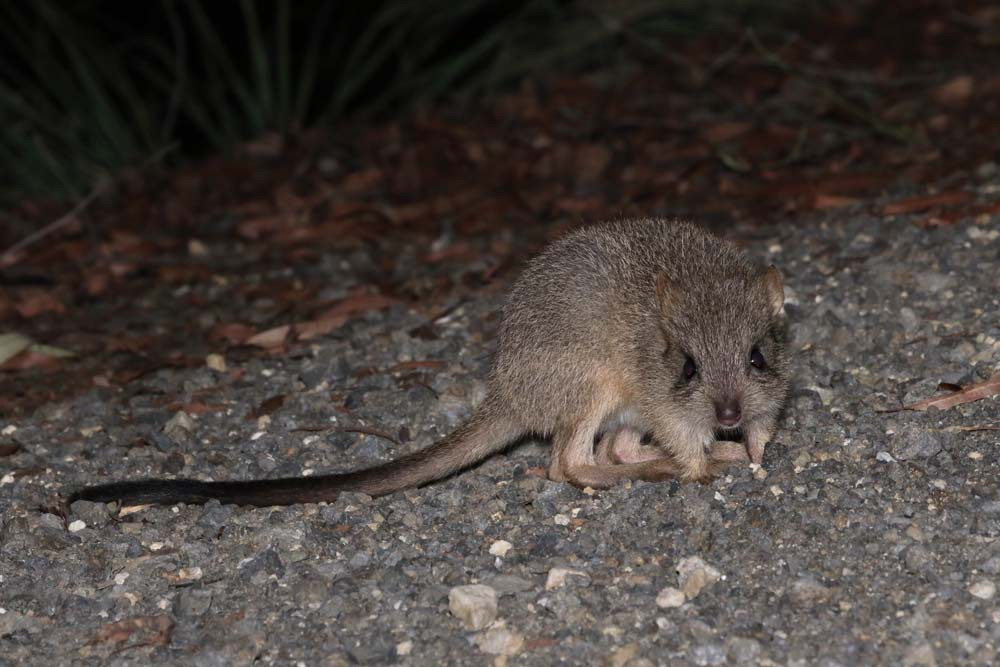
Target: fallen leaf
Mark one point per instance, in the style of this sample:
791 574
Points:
199 408
824 202
270 338
356 304
367 430
721 132
30 359
975 427
360 182
924 202
954 93
975 392
336 316
233 332
12 344
37 301
269 406
152 631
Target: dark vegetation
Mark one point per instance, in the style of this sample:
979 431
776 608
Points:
90 89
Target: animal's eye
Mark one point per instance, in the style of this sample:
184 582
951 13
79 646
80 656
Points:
757 359
690 368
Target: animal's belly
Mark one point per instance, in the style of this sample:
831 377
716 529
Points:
625 417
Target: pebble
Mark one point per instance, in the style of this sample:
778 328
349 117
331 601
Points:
473 604
670 597
708 655
743 650
694 574
619 657
807 592
557 577
914 442
500 548
920 655
500 641
983 589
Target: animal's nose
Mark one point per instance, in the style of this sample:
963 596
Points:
728 412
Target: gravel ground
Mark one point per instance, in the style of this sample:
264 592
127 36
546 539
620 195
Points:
867 538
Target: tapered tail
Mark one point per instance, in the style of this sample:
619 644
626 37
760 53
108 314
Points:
483 434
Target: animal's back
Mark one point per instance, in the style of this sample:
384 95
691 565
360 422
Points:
580 304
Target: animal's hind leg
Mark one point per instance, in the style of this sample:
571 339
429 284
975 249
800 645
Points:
572 448
625 446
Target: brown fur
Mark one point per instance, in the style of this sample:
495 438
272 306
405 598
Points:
594 340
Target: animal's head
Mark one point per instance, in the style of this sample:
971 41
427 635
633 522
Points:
724 358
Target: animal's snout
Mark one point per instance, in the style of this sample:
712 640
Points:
728 412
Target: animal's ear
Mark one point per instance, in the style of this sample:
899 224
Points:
775 289
663 292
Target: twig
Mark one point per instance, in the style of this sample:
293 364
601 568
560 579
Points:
7 258
365 430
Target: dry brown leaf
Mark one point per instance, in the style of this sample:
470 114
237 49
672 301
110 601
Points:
269 406
356 304
312 328
152 631
35 301
31 359
824 202
361 182
954 93
254 228
233 332
974 392
924 202
725 131
270 338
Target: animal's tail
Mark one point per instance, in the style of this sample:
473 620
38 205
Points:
483 434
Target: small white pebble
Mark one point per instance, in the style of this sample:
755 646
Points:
975 456
670 597
776 491
76 526
561 520
983 589
197 248
474 604
121 577
7 479
216 362
885 457
939 483
258 435
500 548
557 577
8 429
404 648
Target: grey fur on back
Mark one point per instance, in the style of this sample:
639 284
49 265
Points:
591 299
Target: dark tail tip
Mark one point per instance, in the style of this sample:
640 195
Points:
144 492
